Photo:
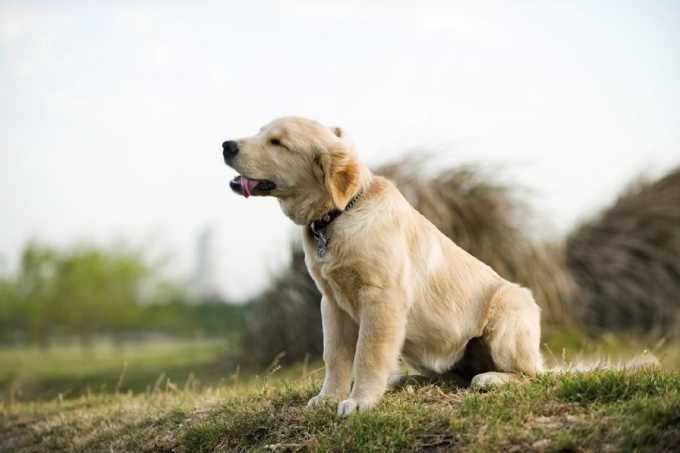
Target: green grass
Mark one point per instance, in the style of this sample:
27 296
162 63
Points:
181 396
604 410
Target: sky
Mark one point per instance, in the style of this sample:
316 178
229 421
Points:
112 114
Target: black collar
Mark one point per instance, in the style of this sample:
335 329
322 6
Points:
322 223
317 229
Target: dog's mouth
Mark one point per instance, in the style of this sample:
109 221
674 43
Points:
246 186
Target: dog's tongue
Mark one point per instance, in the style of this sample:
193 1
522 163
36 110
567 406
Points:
248 185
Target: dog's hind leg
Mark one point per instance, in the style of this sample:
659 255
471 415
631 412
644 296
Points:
512 336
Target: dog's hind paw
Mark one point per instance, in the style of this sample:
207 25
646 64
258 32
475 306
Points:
397 379
492 379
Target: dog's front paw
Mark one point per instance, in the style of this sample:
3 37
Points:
325 397
351 405
347 407
318 399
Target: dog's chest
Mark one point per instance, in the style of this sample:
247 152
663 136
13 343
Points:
340 285
338 282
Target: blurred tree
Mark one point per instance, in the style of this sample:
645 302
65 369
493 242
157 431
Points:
83 290
7 308
101 290
36 301
89 290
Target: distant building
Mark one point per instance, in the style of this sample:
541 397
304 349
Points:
204 279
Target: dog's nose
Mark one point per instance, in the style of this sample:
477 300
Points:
230 149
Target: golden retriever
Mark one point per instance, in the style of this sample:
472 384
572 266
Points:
392 284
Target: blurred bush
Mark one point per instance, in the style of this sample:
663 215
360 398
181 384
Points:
483 217
626 261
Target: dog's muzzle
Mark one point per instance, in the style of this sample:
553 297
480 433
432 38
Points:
242 184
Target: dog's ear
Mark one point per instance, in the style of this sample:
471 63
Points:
340 171
342 135
338 132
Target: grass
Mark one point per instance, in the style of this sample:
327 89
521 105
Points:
601 410
69 371
604 410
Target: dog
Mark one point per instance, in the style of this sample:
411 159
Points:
392 284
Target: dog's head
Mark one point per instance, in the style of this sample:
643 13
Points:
310 168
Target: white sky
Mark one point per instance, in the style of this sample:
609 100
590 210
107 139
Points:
112 113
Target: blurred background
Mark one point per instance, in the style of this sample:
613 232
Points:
541 136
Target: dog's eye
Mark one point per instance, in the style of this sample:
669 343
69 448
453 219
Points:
275 141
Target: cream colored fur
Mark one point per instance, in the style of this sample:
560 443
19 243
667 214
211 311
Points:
393 285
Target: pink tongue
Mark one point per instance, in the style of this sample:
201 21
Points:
248 185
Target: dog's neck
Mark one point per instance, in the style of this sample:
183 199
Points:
304 209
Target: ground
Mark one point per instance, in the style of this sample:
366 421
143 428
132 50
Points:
605 410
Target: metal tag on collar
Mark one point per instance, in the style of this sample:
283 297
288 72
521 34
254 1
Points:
321 250
321 241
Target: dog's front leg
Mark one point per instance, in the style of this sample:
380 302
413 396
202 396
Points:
339 344
381 336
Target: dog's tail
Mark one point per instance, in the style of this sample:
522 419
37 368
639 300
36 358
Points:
643 361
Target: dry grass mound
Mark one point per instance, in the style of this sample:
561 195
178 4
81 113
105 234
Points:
485 218
626 261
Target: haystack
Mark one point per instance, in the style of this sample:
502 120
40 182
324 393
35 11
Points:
626 261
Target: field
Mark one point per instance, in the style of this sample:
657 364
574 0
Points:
182 396
69 371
